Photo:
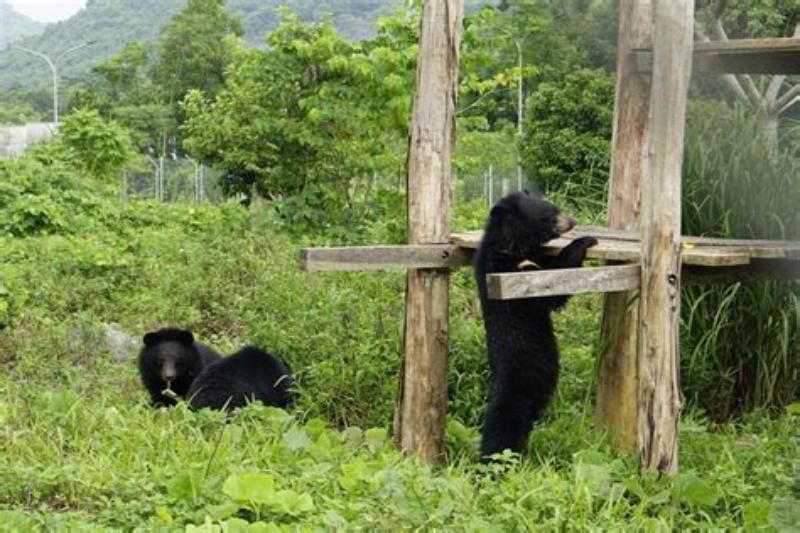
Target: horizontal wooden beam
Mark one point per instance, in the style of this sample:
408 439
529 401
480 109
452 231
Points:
617 278
530 284
757 270
383 257
738 56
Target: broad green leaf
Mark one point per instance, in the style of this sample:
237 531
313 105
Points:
295 439
695 491
254 488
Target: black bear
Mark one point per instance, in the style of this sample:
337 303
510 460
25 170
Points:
249 374
171 359
523 353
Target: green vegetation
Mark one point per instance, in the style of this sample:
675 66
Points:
14 26
742 341
309 136
81 448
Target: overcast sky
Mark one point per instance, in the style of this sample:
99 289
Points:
47 10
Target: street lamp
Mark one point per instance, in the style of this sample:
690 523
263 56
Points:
52 65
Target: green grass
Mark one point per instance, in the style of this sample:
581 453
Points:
81 450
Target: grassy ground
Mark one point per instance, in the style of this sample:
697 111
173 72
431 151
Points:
81 450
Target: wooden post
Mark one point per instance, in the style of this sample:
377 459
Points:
422 397
615 407
659 309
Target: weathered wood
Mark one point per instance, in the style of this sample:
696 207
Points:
757 270
422 395
659 401
383 257
535 283
737 56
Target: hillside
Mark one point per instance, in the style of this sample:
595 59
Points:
112 23
14 26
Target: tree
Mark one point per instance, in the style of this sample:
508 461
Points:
195 48
568 133
312 115
771 98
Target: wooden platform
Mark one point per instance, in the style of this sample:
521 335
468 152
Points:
738 56
623 246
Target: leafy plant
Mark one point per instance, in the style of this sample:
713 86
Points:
741 342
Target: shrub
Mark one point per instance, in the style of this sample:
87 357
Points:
567 136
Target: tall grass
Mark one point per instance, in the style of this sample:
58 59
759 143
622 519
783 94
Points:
741 342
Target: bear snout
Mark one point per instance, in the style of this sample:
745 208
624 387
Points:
168 371
563 224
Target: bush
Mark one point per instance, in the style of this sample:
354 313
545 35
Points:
567 136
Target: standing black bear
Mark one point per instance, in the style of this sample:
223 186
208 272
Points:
171 359
249 374
523 354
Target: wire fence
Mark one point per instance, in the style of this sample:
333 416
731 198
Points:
173 180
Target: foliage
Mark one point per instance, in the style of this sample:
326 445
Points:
764 18
16 25
100 148
16 112
312 117
741 341
195 48
567 139
81 449
111 24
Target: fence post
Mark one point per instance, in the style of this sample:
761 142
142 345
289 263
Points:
422 395
659 306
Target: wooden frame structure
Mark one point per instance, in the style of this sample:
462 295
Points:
638 397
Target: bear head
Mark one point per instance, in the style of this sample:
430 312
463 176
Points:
523 223
171 354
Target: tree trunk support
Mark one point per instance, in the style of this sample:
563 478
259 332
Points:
422 395
615 407
659 305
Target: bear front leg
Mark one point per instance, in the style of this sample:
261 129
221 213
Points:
574 253
571 256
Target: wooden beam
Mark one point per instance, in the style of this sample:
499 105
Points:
422 396
531 284
611 245
383 257
757 270
619 278
659 400
737 56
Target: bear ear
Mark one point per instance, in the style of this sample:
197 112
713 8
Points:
184 337
499 211
151 338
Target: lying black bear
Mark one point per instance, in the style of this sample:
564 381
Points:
523 353
249 374
170 360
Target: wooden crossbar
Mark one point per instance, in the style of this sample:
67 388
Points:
356 258
513 285
613 245
619 278
737 56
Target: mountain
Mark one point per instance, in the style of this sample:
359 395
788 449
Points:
14 26
109 24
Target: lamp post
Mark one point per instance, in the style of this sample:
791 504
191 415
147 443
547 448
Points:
52 64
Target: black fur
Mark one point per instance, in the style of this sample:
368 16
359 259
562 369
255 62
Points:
172 359
523 353
249 374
